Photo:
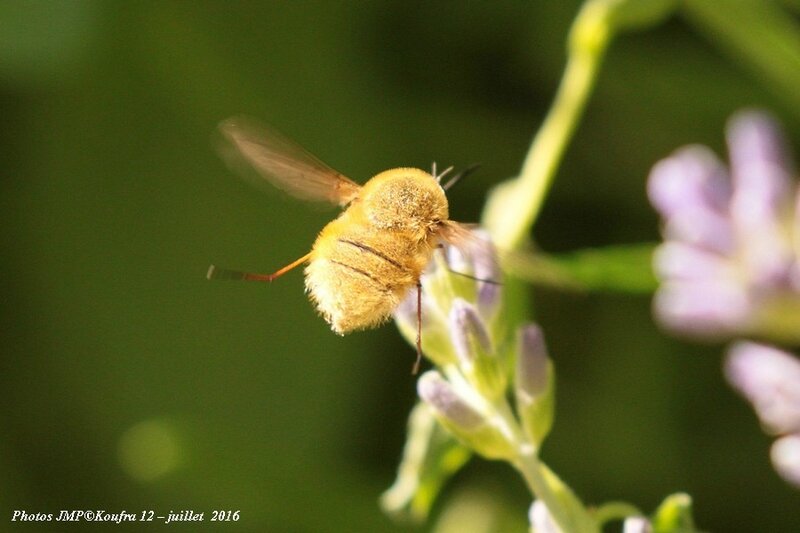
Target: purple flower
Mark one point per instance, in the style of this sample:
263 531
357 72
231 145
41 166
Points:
728 265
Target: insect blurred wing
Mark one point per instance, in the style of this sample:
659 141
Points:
283 163
462 236
473 244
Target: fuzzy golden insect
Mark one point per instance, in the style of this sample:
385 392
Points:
364 262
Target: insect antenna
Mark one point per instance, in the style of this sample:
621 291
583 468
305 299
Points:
473 278
214 272
438 177
461 175
440 247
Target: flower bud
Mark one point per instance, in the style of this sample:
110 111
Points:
470 338
452 278
434 334
534 383
447 403
487 272
474 349
469 422
637 524
674 514
541 521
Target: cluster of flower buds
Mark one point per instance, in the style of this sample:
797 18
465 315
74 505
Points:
729 265
770 380
477 358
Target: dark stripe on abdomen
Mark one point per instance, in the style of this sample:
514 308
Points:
364 273
376 253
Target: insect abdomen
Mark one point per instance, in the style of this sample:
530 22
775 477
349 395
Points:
356 278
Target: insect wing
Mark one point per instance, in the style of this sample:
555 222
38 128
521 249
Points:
282 162
470 247
463 236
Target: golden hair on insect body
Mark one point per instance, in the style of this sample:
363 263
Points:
364 262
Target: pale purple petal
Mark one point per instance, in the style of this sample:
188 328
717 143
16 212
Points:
785 454
683 262
760 168
457 260
762 196
487 272
692 177
766 257
489 298
703 228
406 312
770 379
467 331
443 398
712 308
532 361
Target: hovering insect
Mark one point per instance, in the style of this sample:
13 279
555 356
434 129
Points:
365 261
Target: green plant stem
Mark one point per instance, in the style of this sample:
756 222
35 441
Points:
564 507
512 208
615 511
562 504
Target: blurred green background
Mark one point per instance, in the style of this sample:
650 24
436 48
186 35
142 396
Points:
130 382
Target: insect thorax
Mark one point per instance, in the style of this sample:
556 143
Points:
404 199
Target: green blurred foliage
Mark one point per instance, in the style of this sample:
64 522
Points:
113 204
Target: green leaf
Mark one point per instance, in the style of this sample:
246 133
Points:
620 268
431 456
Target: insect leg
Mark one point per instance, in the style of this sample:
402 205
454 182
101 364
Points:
415 369
215 272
